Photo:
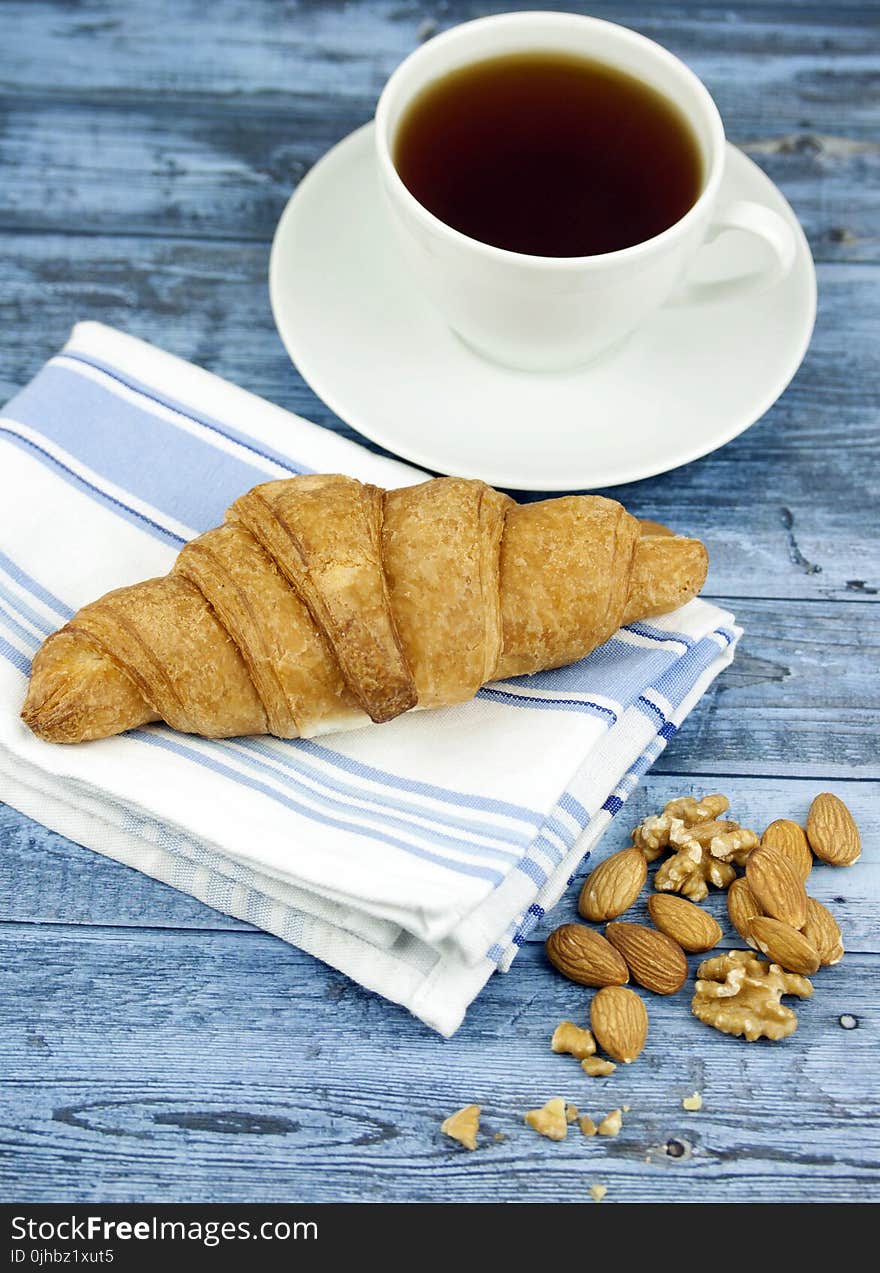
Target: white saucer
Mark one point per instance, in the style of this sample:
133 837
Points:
382 358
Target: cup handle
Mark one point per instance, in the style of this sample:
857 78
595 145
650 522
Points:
755 219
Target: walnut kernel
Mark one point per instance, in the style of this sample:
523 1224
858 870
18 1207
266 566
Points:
691 870
740 994
653 834
692 811
570 1038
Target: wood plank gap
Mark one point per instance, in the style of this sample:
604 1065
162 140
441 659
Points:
690 775
857 598
168 236
67 928
50 231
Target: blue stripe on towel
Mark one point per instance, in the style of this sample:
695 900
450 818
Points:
22 633
341 799
165 743
24 611
644 702
534 872
295 763
494 693
467 800
643 629
612 671
14 656
151 394
553 826
27 581
89 488
574 809
175 472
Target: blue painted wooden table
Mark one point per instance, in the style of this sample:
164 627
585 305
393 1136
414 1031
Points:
151 1048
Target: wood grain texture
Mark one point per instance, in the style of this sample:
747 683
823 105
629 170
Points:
134 1068
800 698
153 1049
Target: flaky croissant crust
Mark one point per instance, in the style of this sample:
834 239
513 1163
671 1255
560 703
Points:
322 603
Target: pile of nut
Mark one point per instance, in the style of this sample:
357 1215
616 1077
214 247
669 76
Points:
737 993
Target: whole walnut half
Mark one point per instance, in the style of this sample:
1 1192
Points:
739 993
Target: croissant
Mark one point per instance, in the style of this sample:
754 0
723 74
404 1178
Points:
323 603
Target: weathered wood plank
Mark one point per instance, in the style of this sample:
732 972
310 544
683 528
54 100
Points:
228 172
134 1067
800 698
788 509
47 879
802 57
306 1086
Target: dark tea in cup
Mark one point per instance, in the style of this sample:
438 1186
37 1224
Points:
548 154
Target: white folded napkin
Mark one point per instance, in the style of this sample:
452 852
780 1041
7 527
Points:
414 856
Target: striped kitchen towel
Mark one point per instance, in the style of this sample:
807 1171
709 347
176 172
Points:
414 856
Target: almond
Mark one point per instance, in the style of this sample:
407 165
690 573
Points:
742 909
585 956
619 1021
784 945
684 922
821 930
832 832
790 840
614 885
655 960
777 887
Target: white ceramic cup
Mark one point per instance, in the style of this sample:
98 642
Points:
544 313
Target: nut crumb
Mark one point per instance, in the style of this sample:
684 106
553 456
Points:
570 1038
626 1108
499 1136
550 1121
596 1066
463 1126
598 1192
571 1113
587 1126
692 1103
611 1123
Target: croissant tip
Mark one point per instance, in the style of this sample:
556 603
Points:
47 716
